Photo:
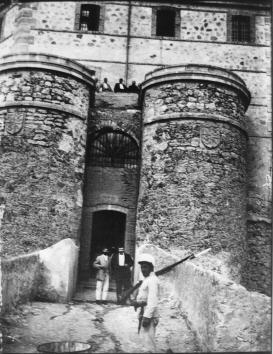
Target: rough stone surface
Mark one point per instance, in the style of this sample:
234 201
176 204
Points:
192 97
108 329
42 159
57 281
200 26
48 275
19 280
192 187
224 315
111 188
50 27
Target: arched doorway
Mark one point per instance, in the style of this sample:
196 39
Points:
108 230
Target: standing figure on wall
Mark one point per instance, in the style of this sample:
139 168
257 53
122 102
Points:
120 87
104 86
102 264
121 264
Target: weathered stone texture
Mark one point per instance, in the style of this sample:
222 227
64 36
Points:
42 157
47 275
63 18
79 46
193 176
19 280
192 97
111 187
9 24
259 257
204 26
45 87
116 18
170 52
224 316
141 21
6 45
192 196
263 28
41 180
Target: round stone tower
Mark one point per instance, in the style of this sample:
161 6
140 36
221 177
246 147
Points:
44 105
193 177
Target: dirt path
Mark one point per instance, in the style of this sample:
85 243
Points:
108 328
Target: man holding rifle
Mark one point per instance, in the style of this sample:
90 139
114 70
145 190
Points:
147 300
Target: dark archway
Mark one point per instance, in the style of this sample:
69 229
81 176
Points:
108 230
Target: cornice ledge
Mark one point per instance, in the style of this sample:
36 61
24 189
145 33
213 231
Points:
47 62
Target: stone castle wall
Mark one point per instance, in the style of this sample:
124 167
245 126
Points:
193 177
50 27
112 188
43 112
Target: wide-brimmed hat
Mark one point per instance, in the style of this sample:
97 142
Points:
146 258
105 250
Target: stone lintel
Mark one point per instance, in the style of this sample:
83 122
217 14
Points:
199 73
42 105
39 61
195 116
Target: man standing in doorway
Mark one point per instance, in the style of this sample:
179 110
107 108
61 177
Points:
102 264
121 264
147 300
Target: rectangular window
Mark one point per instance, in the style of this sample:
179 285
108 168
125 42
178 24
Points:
89 17
240 28
165 22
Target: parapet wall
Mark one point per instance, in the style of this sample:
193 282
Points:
19 280
46 275
224 315
44 106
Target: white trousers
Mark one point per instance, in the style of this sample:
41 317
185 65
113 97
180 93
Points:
148 336
102 287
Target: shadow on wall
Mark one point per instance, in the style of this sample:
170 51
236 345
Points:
223 315
48 275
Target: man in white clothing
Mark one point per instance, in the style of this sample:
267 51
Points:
147 300
102 264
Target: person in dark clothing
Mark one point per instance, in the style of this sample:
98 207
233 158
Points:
133 88
120 87
121 264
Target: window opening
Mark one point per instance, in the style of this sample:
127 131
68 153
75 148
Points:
165 22
112 148
90 17
240 28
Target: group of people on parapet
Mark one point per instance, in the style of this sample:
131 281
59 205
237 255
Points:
119 86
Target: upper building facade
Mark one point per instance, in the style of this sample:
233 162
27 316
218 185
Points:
227 44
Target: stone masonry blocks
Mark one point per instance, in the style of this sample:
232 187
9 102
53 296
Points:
193 177
42 149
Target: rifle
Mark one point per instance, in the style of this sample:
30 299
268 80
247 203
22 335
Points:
162 271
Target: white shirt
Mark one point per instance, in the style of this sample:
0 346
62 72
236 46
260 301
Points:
149 292
121 259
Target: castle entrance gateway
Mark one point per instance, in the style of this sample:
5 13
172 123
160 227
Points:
110 193
108 230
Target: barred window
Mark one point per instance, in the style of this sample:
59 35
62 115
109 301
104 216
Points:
165 22
89 17
113 148
240 28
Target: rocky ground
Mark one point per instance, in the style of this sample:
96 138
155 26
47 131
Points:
108 328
